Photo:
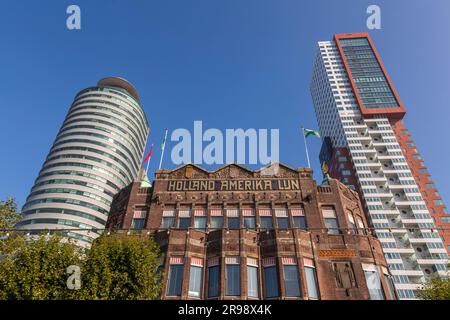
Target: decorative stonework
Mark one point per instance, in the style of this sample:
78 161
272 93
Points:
337 253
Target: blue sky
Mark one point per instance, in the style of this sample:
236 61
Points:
230 63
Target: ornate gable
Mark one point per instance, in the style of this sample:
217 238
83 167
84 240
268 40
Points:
231 171
189 171
277 170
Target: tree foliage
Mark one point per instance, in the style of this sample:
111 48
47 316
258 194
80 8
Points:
36 269
116 267
436 289
122 267
8 214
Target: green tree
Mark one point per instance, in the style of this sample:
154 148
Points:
36 268
123 267
117 266
8 219
8 214
436 289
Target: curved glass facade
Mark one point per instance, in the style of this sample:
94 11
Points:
96 153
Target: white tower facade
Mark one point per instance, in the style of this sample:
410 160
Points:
360 114
97 152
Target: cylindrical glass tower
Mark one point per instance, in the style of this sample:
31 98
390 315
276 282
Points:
97 152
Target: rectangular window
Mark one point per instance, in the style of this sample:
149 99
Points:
330 220
351 220
291 285
200 223
252 278
270 278
200 219
232 276
300 222
362 230
373 282
184 223
175 277
137 224
311 279
168 219
298 218
250 222
390 286
217 222
138 221
195 281
213 278
282 218
184 219
233 223
249 218
266 222
233 219
265 219
167 222
283 223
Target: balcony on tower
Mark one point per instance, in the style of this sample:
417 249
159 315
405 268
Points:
378 174
395 223
406 213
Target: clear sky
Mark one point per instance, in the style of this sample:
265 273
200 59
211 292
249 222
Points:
230 63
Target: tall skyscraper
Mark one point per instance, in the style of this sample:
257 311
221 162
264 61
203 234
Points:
367 146
97 152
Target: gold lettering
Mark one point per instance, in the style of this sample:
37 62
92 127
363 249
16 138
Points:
171 186
233 185
224 185
196 185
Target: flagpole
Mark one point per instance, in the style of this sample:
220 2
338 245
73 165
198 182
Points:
163 148
148 162
306 147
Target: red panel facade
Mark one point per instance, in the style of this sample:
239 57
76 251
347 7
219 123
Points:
423 180
398 112
341 168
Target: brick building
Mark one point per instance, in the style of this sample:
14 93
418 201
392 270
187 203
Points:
235 233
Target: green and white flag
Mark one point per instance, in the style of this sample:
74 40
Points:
309 132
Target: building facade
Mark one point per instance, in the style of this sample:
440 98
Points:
97 152
235 233
368 147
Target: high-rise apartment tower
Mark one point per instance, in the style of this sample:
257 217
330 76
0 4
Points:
367 146
97 152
